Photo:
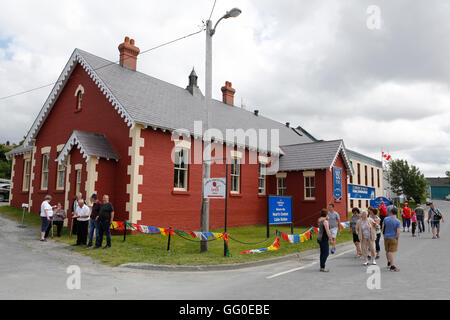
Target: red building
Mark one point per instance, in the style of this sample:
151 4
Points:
110 129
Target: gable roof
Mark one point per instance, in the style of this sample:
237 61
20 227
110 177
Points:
90 145
140 98
313 156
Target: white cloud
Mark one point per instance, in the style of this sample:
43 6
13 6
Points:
307 62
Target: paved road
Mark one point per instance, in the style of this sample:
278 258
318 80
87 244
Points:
30 269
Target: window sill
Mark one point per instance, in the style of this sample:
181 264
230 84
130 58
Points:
310 200
235 195
181 192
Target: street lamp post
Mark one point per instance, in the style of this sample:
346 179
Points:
204 223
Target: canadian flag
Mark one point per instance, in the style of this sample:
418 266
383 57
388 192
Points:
386 156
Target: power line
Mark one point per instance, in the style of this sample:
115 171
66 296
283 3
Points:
212 10
106 65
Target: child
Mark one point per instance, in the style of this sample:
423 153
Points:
414 223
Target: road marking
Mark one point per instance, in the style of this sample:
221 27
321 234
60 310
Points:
307 266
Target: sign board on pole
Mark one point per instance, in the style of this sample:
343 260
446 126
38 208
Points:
280 210
214 188
356 192
337 183
377 202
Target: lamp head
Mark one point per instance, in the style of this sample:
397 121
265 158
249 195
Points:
233 13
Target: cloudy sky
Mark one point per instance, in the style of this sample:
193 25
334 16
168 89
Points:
329 66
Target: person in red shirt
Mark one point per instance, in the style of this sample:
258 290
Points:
406 216
383 212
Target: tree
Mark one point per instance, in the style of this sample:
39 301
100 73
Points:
407 180
448 175
5 165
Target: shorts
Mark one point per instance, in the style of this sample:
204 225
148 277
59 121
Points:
435 224
333 232
391 245
355 238
45 224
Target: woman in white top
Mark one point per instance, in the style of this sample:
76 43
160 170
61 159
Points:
46 215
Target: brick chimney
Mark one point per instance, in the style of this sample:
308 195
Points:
228 93
128 53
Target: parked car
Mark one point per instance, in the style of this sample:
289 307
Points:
447 197
4 192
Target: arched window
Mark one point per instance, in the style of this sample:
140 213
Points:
79 99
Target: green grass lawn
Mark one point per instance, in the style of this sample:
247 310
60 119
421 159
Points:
153 248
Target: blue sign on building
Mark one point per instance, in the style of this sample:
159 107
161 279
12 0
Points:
360 192
337 183
280 210
377 202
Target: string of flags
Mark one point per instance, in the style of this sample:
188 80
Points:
291 238
275 246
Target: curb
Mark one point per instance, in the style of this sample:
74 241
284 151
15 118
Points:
223 267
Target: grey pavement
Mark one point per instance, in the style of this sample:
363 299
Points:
30 269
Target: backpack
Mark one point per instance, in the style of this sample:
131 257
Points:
437 215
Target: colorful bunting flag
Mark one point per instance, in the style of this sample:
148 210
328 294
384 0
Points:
275 246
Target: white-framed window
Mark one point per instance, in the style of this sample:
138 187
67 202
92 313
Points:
26 175
281 186
261 178
181 169
60 177
235 175
310 185
78 181
44 175
79 97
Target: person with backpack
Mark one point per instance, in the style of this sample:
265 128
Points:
435 216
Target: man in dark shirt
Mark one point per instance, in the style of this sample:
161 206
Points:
93 222
105 216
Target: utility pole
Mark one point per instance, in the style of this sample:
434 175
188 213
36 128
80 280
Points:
204 220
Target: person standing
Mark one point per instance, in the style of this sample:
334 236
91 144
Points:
383 211
323 239
413 223
58 219
435 216
366 229
391 232
75 206
46 215
373 215
406 216
420 213
334 221
93 222
105 217
353 221
82 214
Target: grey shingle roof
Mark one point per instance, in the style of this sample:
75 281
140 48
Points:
154 102
90 144
312 156
19 150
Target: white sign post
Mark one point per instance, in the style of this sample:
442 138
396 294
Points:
214 188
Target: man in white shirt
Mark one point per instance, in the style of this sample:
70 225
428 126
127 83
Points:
82 214
46 215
